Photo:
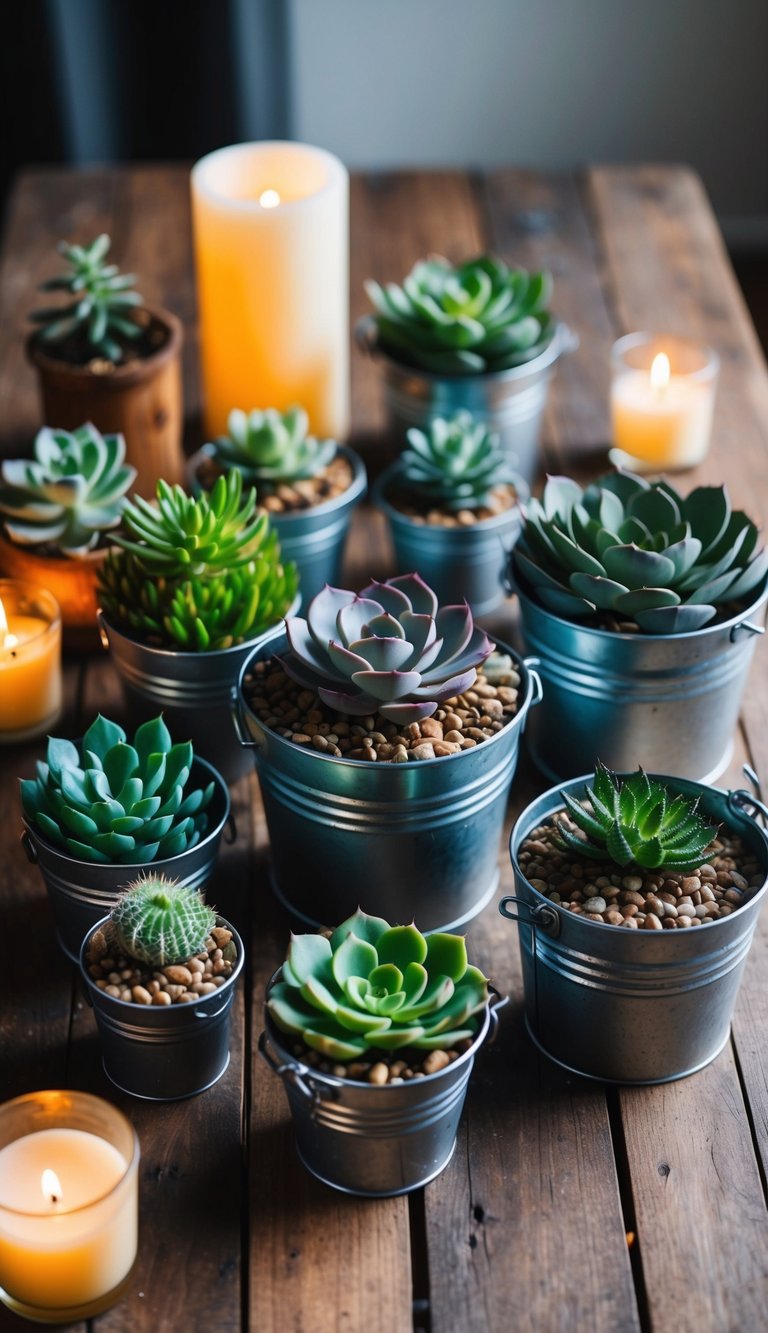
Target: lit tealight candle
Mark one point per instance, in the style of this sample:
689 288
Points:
269 199
662 399
30 661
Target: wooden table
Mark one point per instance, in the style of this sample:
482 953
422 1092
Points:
568 1206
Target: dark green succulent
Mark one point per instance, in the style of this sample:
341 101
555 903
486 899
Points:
270 447
640 551
477 318
455 464
159 921
99 316
637 822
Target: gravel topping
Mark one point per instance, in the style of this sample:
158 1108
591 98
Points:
286 498
500 499
176 983
384 1066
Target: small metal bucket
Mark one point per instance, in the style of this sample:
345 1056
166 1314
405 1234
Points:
82 892
370 1140
509 402
397 839
458 563
164 1052
632 1006
669 702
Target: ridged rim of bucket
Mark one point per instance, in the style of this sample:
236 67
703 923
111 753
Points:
216 654
508 518
114 1000
354 492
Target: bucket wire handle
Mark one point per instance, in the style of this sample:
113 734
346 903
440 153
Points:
745 802
543 916
295 1073
749 626
29 848
238 722
231 826
366 335
496 1003
538 689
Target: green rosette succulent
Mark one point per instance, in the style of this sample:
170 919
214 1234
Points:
99 316
271 447
637 822
455 464
70 494
640 551
118 803
159 921
372 985
474 319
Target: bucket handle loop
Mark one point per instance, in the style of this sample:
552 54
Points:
102 629
29 848
538 689
496 1003
744 802
295 1073
231 834
747 625
366 335
238 722
543 916
206 1013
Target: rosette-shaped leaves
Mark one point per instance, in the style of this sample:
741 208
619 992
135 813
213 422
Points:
637 822
270 447
639 550
70 493
387 649
116 803
455 464
159 921
99 316
372 985
183 535
471 320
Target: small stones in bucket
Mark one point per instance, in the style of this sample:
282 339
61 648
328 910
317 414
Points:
177 983
380 1067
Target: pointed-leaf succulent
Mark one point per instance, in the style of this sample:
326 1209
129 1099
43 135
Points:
372 985
455 464
99 316
270 447
159 921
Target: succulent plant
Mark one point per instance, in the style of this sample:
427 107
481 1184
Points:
471 320
270 447
70 493
637 822
376 985
159 921
197 573
387 649
100 314
116 803
639 550
455 464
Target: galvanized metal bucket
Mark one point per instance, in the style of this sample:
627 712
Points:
667 702
370 1140
400 840
164 1052
82 892
462 563
509 402
632 1006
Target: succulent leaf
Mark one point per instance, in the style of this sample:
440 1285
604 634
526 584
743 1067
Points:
455 464
159 921
270 447
99 316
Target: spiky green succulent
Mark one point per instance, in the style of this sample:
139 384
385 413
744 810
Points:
640 551
159 921
637 822
372 985
116 802
479 317
98 319
270 447
198 573
70 493
455 464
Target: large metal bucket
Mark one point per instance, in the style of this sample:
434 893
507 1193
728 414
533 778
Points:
82 892
164 1052
509 402
458 563
370 1140
667 702
400 840
632 1006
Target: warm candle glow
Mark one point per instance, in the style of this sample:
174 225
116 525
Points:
51 1186
3 620
269 199
660 371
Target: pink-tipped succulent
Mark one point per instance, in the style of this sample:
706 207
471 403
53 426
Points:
388 649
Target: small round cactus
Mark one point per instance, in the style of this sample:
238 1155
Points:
159 921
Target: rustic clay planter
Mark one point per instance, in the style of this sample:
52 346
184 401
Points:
71 580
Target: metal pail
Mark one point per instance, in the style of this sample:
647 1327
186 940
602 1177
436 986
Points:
632 1006
374 1140
668 702
164 1052
82 892
400 840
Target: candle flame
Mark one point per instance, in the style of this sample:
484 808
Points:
51 1186
3 619
660 371
269 199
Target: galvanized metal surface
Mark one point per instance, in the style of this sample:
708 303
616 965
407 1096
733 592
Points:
403 841
632 1006
667 702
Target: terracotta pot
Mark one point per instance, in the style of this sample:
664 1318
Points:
141 400
71 580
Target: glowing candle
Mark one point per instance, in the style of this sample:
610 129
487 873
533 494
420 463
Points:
662 399
68 1205
271 249
30 661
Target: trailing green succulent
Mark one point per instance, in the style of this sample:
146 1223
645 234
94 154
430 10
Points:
118 803
159 921
639 551
372 985
637 822
455 464
479 317
198 573
99 318
271 447
70 494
